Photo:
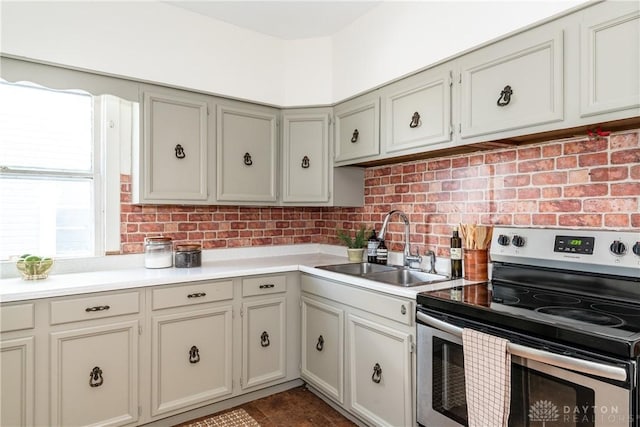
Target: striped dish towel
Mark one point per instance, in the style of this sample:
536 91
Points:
487 372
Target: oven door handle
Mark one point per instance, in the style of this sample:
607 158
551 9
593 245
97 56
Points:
558 360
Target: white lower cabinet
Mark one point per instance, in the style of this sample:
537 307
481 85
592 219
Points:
265 331
380 372
264 340
190 358
17 346
323 347
94 375
132 357
377 333
191 345
16 381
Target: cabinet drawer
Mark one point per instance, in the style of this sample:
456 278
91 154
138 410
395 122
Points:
16 317
198 293
357 129
387 306
96 307
513 84
263 285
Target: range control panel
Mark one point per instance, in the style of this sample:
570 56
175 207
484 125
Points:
599 251
574 245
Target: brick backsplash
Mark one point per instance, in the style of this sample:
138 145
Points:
580 182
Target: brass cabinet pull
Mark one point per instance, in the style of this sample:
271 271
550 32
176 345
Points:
264 339
267 286
505 96
320 343
95 377
194 354
305 162
415 120
180 154
97 308
247 159
197 295
354 137
377 373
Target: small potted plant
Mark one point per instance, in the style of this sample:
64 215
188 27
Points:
356 244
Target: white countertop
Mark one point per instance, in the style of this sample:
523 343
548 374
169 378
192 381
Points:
238 264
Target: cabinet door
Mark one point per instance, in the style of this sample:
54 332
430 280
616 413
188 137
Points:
513 84
417 111
16 382
322 347
191 358
246 155
610 59
264 341
379 373
174 153
305 140
94 375
357 132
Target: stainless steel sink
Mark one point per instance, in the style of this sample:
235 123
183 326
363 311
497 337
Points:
359 269
405 277
389 274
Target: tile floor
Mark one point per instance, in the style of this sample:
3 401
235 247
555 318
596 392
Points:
297 407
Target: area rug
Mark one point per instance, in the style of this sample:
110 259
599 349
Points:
235 418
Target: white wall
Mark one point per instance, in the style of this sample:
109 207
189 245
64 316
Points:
397 38
147 40
158 42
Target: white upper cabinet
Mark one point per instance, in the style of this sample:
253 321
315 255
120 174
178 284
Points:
513 84
247 153
357 129
610 59
305 152
171 165
308 175
417 111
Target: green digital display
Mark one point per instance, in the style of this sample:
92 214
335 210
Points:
575 242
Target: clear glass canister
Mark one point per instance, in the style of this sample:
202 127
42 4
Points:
158 252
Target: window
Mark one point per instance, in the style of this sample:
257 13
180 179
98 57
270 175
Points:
49 181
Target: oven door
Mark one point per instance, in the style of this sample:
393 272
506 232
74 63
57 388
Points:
541 393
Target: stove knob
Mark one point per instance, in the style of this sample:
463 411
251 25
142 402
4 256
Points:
503 240
618 248
636 248
518 241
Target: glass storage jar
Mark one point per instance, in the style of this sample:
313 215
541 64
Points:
187 256
158 252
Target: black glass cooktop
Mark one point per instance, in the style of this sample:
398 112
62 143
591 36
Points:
560 313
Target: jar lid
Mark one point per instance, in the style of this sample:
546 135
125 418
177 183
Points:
157 239
187 247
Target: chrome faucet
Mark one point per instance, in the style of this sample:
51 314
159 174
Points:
432 261
407 258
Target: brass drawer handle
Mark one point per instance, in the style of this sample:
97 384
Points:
194 354
415 120
97 308
354 137
505 95
377 373
264 339
267 286
95 377
197 295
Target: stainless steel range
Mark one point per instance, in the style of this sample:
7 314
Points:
568 301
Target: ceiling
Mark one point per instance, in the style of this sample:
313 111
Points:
287 20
